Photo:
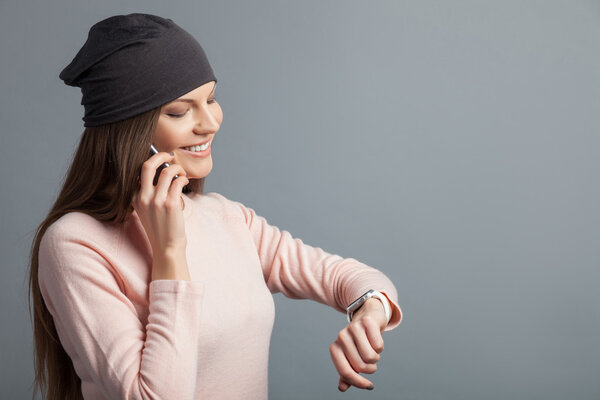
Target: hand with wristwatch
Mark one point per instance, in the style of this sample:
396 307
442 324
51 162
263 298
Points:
357 346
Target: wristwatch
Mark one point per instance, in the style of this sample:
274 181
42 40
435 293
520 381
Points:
356 304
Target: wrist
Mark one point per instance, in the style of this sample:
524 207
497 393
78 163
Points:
374 306
359 302
170 264
170 254
371 304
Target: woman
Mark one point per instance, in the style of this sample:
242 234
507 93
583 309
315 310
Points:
163 291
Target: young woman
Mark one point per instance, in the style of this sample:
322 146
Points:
162 291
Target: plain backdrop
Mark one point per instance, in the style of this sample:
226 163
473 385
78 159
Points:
454 145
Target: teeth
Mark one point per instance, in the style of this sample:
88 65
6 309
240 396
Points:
198 148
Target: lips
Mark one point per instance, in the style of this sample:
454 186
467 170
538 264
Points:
196 144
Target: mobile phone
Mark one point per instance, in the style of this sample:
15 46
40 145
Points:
153 151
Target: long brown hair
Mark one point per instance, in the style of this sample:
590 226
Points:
100 182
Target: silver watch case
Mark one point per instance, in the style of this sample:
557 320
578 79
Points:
356 304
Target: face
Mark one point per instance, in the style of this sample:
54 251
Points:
186 122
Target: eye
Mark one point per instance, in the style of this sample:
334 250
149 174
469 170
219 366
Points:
212 101
175 115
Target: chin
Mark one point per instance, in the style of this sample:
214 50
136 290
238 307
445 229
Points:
197 177
199 172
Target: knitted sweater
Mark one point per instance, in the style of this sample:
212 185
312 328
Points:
133 338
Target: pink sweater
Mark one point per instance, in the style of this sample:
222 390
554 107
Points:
208 338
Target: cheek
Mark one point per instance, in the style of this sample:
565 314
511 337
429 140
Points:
167 137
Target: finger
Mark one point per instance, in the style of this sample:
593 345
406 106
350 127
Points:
343 385
344 369
360 331
174 196
374 336
166 179
346 340
149 168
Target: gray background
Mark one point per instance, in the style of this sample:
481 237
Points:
451 144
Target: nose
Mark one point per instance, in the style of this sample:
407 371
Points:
206 121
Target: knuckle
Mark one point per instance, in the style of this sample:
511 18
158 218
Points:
177 183
343 334
177 170
347 374
373 359
367 319
355 328
370 368
157 202
361 365
335 348
170 203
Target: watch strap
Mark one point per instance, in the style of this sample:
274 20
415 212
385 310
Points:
356 304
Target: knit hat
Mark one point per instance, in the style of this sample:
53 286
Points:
133 63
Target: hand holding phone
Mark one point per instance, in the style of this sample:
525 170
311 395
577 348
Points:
160 210
153 151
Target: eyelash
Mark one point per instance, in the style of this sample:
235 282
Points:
181 115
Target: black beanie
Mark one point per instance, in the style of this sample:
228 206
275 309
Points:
133 63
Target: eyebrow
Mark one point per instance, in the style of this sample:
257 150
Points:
192 100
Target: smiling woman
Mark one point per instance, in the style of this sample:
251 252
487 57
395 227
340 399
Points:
187 126
137 297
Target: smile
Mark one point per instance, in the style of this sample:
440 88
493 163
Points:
198 150
197 147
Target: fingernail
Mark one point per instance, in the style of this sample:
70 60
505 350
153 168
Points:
371 387
171 153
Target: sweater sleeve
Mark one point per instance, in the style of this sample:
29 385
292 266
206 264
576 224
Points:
100 329
301 271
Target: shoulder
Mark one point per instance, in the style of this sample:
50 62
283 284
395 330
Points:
77 251
219 204
79 229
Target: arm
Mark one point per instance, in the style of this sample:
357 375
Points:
100 329
301 271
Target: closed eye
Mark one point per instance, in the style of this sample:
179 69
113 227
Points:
174 115
177 115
